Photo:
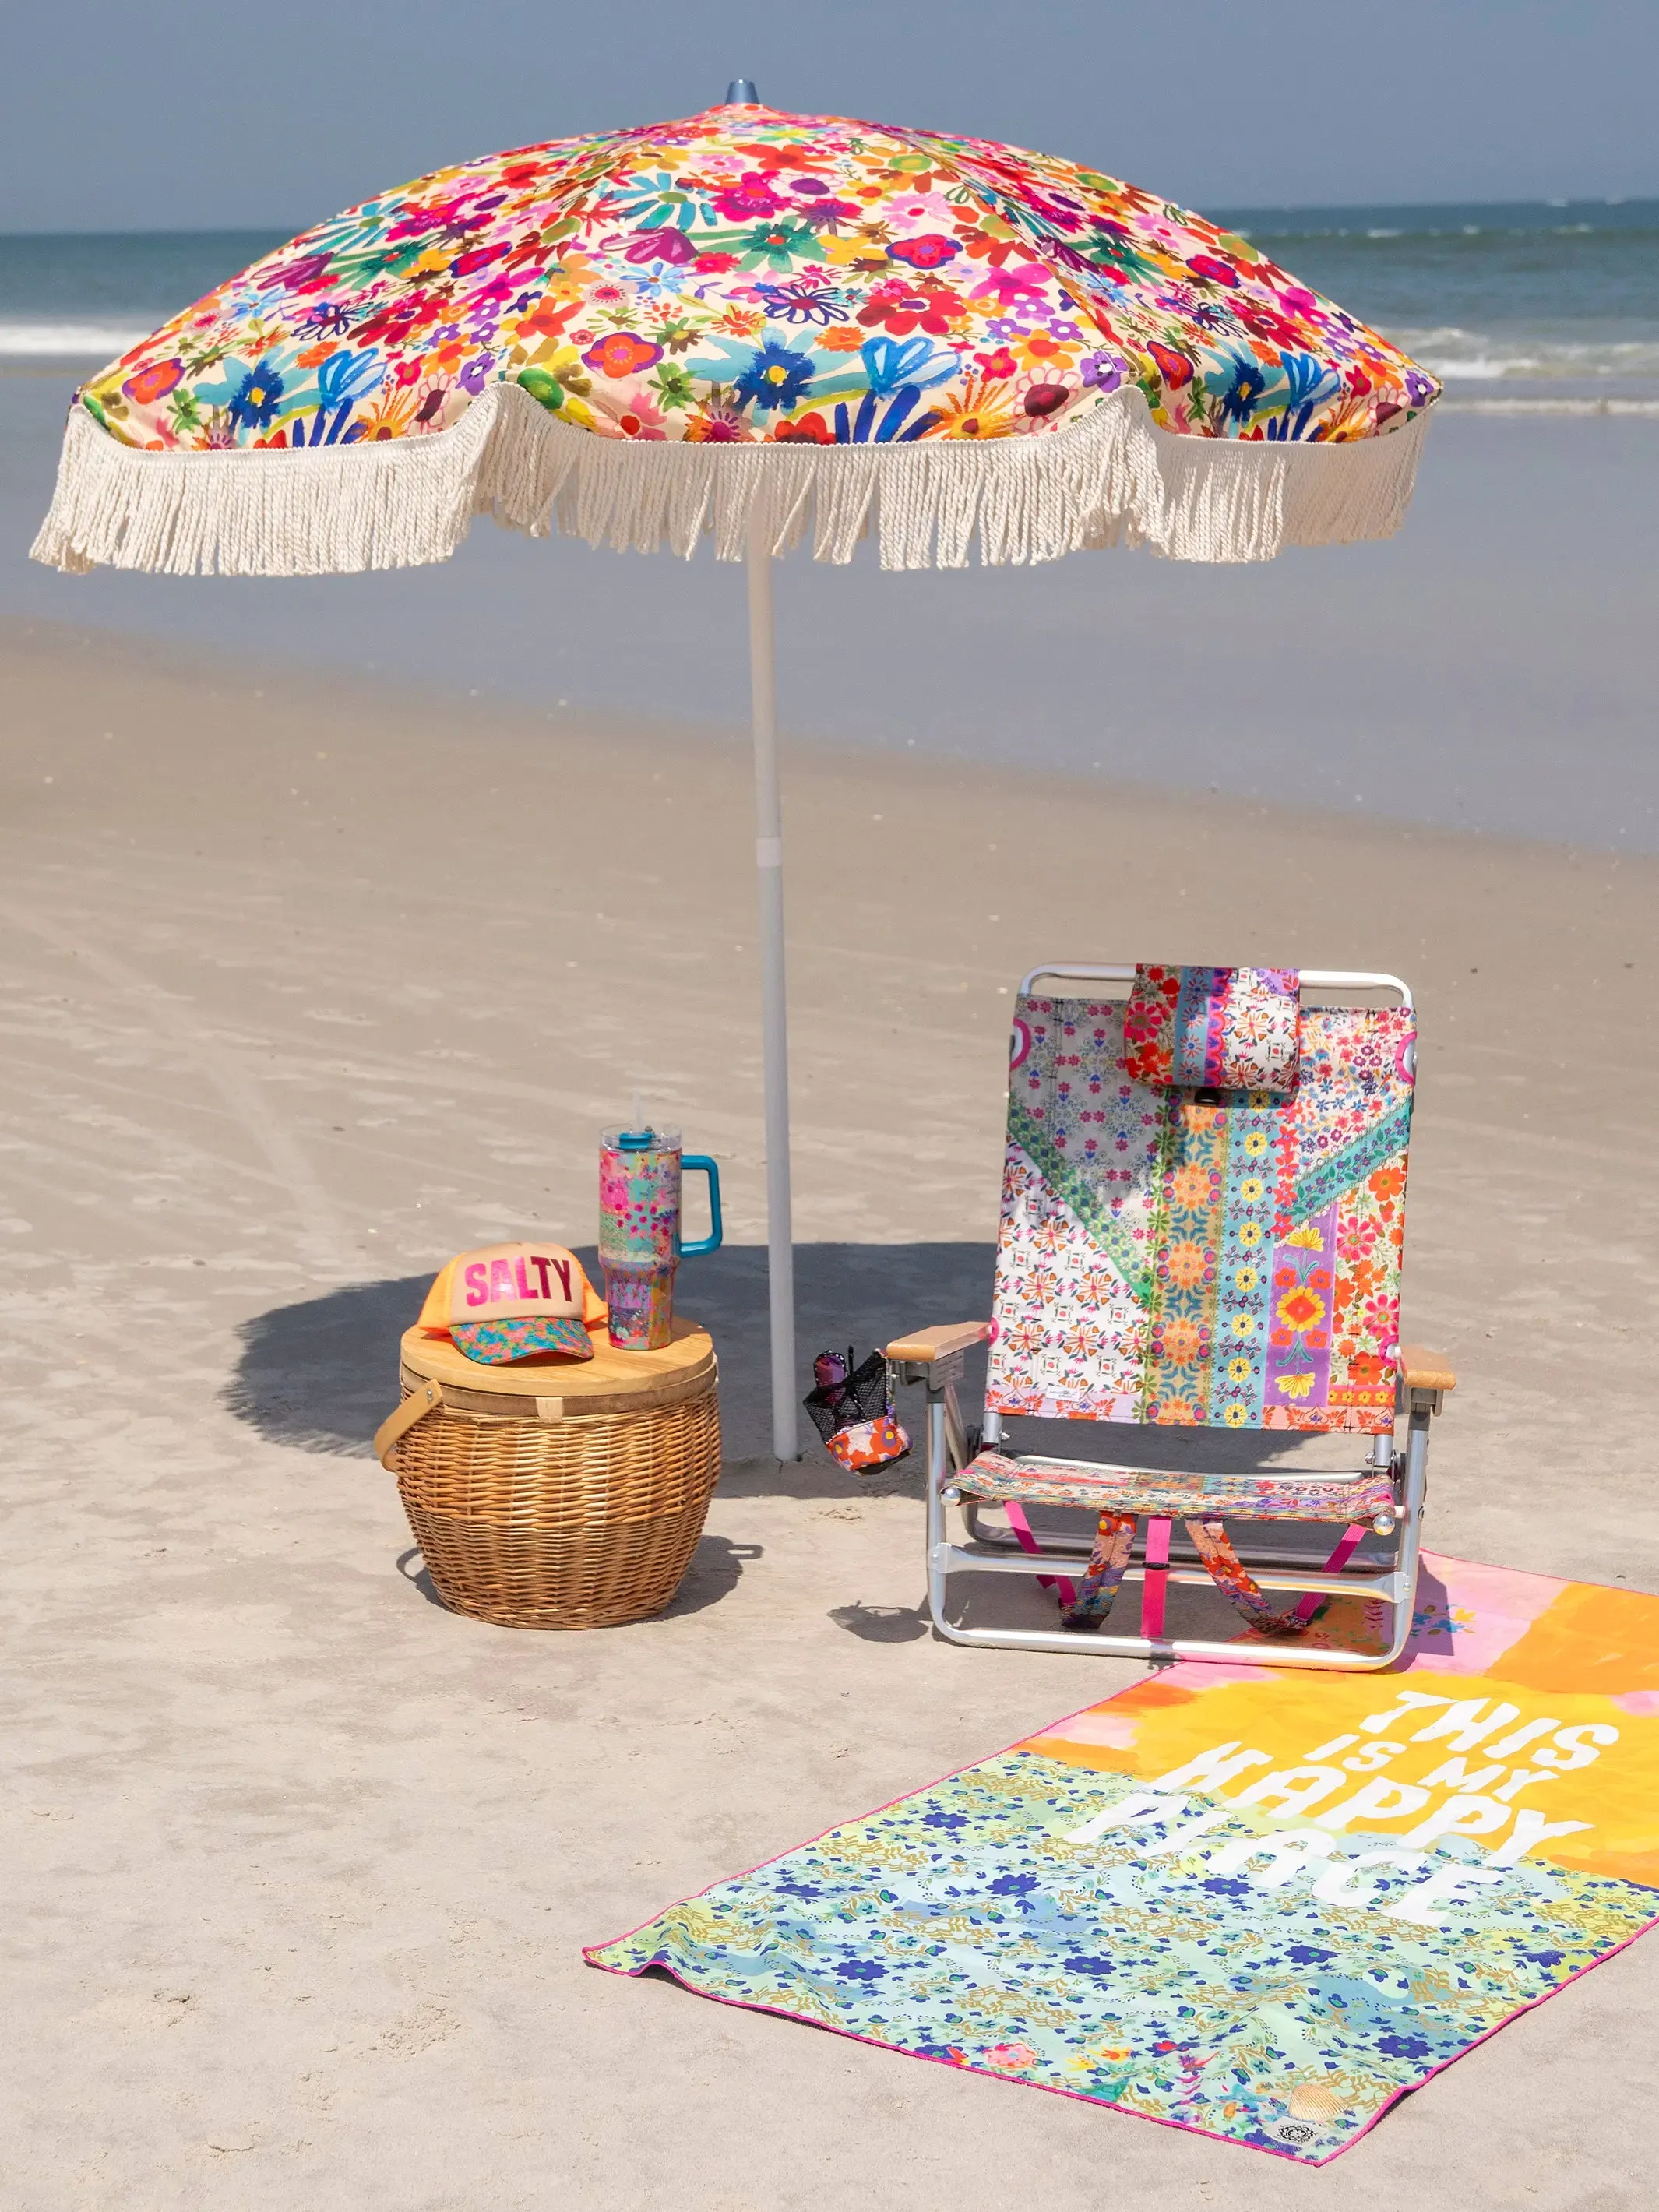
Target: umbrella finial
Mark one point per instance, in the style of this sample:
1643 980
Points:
741 93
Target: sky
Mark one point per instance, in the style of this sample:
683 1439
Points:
188 114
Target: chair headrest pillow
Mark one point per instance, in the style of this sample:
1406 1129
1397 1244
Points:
1225 1029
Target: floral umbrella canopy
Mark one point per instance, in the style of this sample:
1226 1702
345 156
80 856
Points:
746 323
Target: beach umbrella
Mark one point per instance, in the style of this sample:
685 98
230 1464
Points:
751 326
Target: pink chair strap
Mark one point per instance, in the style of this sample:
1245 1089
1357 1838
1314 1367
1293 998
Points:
1351 1540
1155 1588
1028 1542
1111 1558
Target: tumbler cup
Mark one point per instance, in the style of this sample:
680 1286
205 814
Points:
640 1245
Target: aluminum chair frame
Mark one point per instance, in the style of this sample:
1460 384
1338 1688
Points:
933 1359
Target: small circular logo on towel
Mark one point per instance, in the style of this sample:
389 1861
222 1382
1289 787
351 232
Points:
1296 2133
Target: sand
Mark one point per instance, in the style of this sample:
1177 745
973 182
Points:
307 987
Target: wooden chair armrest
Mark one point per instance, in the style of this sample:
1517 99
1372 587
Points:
938 1342
1426 1370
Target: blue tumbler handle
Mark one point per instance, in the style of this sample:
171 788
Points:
711 1243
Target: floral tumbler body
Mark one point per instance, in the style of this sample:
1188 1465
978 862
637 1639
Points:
639 1244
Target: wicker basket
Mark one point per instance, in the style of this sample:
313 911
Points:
578 1510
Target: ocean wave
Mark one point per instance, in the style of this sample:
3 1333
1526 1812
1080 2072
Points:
97 342
1513 404
1499 224
1486 356
1449 349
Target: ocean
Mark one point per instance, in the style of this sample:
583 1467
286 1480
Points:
1554 303
1493 668
1550 304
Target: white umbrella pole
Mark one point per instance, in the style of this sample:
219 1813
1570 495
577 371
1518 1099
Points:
768 866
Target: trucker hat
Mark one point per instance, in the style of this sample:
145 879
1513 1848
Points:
511 1301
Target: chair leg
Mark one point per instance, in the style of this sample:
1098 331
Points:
1411 1529
938 1572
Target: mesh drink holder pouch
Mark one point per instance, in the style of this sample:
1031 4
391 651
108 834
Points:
855 1417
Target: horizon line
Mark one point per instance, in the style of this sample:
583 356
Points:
1265 207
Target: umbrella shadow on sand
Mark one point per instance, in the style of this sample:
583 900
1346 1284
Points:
321 1375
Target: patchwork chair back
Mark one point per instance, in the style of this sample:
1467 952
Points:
1203 1204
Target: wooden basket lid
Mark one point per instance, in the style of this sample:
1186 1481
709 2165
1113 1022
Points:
611 1382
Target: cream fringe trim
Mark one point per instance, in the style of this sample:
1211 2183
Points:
1113 479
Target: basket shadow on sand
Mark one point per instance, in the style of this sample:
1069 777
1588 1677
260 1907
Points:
715 1570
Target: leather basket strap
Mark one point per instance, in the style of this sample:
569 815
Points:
425 1398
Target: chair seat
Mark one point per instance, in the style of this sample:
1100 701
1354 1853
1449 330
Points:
998 1478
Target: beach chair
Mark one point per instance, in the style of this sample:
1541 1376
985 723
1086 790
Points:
1202 1207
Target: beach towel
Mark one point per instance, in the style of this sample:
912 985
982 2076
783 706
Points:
1258 1904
